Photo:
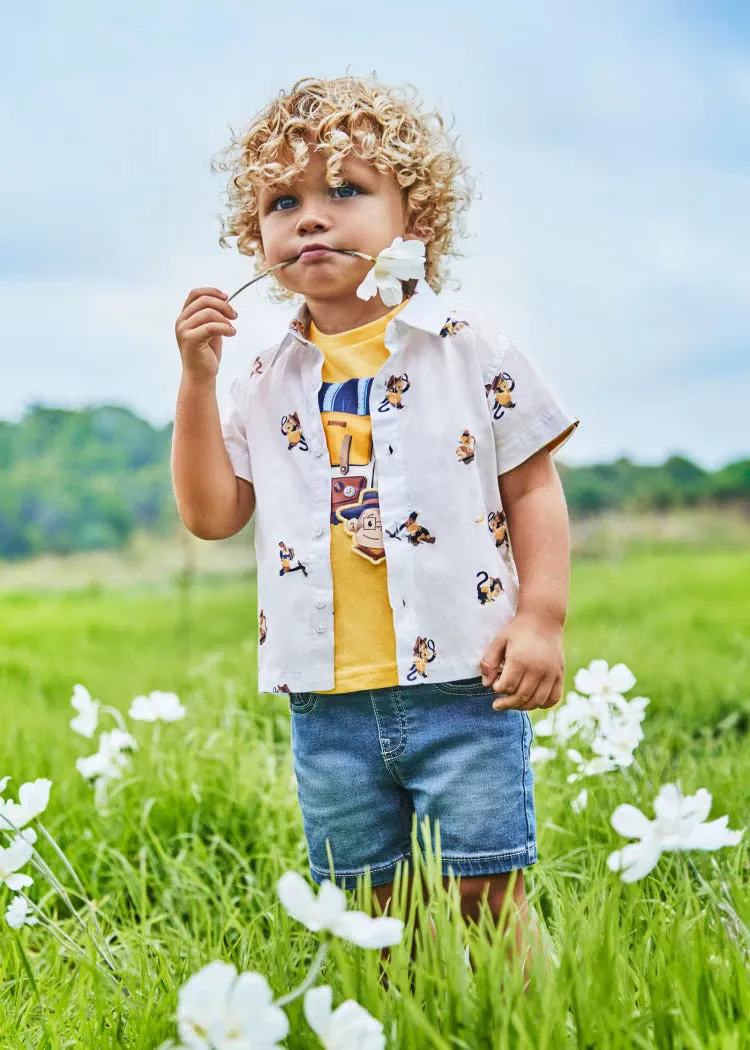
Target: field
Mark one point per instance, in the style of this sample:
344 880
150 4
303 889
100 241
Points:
183 867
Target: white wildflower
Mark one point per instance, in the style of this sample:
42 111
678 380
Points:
33 799
111 759
18 913
599 679
87 718
538 755
588 767
580 802
679 825
11 859
219 1010
402 261
348 1026
157 707
328 911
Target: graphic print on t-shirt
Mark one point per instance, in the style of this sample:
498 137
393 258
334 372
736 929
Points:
345 413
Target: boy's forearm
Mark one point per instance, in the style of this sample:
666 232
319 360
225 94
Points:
203 478
539 532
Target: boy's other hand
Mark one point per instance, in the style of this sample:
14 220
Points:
199 328
525 661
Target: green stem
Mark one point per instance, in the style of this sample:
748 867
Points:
308 981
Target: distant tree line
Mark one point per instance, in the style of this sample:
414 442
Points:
86 480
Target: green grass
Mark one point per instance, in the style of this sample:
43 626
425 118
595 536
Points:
184 867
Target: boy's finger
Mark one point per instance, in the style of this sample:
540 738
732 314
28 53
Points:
492 659
196 293
518 696
510 679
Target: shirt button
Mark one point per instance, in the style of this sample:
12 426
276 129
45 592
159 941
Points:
320 604
321 628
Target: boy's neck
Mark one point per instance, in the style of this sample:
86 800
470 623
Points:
332 316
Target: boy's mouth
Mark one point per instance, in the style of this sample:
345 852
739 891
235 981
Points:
315 251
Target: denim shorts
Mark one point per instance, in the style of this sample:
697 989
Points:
367 761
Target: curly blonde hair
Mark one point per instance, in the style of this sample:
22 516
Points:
380 124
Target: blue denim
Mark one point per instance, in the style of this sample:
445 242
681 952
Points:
367 761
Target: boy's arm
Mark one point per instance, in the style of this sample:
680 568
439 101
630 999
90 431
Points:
212 502
530 647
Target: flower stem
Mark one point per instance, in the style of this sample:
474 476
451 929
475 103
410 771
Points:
286 262
309 980
117 717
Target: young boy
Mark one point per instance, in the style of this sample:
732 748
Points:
389 455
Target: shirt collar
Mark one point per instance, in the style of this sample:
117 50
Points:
425 310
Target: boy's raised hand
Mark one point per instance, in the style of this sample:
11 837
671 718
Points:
199 328
528 657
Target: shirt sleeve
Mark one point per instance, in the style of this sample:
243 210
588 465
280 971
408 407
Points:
234 432
526 415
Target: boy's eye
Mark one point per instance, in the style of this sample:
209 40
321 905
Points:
348 189
279 205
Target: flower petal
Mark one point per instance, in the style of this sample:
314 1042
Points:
296 896
367 932
630 822
317 1009
714 835
369 286
391 291
620 678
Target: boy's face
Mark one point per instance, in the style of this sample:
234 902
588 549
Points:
365 214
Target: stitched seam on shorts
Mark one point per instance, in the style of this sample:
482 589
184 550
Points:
390 756
489 856
523 758
361 871
476 690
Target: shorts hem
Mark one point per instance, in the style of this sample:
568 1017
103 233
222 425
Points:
479 864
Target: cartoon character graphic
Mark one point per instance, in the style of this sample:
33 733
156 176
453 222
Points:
287 556
291 428
396 387
452 326
424 653
262 627
467 444
488 588
415 533
281 689
363 523
297 326
257 368
498 527
501 386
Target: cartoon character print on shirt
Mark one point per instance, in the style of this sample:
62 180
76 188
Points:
355 507
415 533
291 428
467 444
396 387
424 653
287 556
257 368
501 386
499 528
297 326
262 627
281 689
488 588
452 326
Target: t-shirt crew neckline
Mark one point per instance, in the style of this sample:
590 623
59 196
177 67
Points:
367 331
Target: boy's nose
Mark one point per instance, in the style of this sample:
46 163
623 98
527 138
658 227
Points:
310 222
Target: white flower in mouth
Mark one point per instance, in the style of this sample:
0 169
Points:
17 913
344 1028
680 824
402 261
157 707
87 718
328 911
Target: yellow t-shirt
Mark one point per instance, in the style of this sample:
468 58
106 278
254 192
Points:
364 638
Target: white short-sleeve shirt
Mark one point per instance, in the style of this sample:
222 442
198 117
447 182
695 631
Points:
455 405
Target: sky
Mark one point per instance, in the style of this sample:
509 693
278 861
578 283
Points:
610 144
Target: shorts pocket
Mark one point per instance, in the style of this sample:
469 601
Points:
303 703
463 687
